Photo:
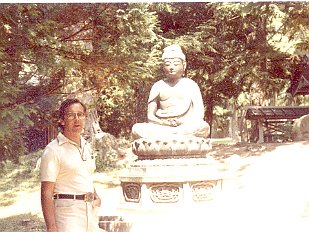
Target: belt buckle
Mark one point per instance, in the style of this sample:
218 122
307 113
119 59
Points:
89 197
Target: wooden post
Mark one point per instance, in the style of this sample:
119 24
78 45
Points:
261 132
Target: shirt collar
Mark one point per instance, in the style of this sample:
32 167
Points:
62 139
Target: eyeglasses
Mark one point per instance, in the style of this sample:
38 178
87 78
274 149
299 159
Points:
72 115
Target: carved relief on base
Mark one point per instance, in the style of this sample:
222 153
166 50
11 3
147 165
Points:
204 191
166 192
131 191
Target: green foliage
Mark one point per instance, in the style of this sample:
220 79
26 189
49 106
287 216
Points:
122 101
106 162
26 74
108 152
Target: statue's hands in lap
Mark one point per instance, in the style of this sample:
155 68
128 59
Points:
173 122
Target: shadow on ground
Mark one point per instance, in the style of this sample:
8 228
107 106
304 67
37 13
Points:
22 223
222 151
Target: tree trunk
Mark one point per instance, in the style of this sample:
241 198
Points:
233 127
209 112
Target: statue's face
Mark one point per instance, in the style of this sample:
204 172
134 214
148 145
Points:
174 67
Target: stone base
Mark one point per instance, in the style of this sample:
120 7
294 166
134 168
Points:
169 184
114 224
184 147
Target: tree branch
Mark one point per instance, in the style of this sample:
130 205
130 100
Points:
84 28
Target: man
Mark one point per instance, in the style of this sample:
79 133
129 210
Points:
68 197
175 105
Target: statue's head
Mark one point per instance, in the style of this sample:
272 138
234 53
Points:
174 61
173 51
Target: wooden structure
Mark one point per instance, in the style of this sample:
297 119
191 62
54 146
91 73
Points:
301 87
300 78
270 122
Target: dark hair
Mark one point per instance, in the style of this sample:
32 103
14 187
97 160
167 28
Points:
65 104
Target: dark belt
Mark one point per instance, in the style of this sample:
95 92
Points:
84 197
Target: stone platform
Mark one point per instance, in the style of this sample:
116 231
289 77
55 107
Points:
169 184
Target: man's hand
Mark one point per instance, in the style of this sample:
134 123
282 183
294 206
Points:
52 229
97 201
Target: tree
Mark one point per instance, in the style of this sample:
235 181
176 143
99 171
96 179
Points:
56 50
135 49
24 60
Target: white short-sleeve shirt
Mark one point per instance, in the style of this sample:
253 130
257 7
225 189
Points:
68 165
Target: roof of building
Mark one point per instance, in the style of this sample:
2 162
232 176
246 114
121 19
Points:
300 80
275 112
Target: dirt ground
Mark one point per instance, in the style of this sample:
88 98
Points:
265 188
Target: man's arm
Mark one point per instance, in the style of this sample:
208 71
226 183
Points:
47 202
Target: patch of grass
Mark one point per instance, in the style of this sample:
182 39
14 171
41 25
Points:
16 179
22 223
7 198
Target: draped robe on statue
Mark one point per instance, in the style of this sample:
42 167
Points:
181 101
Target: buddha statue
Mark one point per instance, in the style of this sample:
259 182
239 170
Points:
175 104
